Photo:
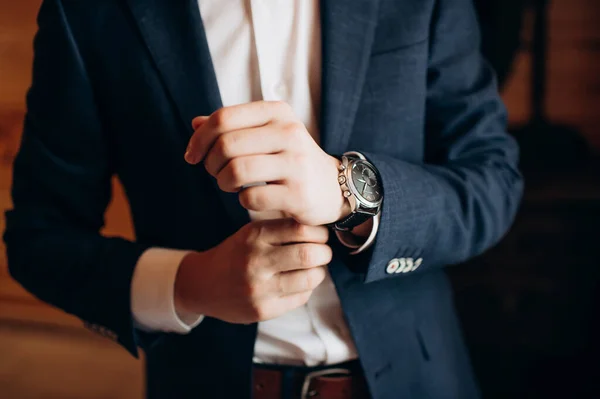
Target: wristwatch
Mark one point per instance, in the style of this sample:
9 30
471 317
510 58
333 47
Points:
361 186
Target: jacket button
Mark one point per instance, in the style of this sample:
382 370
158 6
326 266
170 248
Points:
402 265
417 263
392 266
408 265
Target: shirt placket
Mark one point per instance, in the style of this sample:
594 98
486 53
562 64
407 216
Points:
271 24
272 38
338 347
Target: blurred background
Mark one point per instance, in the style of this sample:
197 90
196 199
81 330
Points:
530 307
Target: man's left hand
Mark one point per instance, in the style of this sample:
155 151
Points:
264 142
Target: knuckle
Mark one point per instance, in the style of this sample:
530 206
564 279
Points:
300 230
255 265
303 232
219 117
208 165
305 255
259 232
249 230
226 144
221 147
223 183
321 233
237 170
293 129
247 235
282 286
253 199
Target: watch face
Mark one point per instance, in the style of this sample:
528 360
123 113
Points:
366 182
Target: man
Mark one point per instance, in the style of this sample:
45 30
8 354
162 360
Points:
244 132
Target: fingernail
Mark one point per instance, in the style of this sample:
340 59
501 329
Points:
188 156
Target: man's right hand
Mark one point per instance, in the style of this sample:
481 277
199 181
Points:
264 270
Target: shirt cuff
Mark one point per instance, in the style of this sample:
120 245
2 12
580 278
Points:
152 293
352 241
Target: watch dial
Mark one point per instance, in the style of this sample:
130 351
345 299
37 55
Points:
366 182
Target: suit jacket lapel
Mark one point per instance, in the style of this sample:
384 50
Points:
176 40
175 37
348 29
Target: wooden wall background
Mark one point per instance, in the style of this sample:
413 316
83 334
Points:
45 353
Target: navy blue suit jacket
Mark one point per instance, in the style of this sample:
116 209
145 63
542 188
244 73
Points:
115 86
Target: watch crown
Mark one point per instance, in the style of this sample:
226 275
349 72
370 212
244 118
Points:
341 179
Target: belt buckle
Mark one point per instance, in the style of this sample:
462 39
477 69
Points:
306 392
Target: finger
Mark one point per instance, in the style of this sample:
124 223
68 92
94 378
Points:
268 197
294 301
288 231
251 170
286 258
278 305
198 121
298 281
232 118
266 139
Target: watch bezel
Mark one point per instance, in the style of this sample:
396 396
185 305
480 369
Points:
350 183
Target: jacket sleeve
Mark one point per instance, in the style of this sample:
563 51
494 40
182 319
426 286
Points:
61 188
463 198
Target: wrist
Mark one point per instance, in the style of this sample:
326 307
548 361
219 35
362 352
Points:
342 206
186 289
360 185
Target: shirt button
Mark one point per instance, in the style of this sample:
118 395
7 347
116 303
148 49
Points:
392 266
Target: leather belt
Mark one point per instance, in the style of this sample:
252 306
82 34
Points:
304 383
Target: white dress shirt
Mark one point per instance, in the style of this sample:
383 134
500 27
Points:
261 50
